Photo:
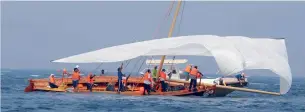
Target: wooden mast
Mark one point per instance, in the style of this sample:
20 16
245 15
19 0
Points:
170 35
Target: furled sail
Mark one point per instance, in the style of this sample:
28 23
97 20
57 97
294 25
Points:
232 53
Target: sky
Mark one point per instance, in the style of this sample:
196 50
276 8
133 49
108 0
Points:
33 33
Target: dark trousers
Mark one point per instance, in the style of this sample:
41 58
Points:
89 86
163 86
147 88
193 83
120 86
52 85
75 83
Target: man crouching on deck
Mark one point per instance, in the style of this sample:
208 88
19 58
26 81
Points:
90 81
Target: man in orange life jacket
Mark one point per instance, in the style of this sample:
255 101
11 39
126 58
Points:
162 80
187 71
193 75
90 81
75 78
147 82
52 81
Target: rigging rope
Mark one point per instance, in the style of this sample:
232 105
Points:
168 13
97 67
128 61
181 18
169 77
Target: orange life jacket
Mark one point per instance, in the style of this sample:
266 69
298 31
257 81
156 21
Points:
52 79
163 75
147 77
188 68
75 76
194 72
89 80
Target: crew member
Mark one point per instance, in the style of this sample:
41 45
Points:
52 81
154 77
240 77
193 76
75 78
102 72
187 71
162 80
90 81
147 82
120 75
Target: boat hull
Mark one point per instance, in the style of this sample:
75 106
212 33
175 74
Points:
109 85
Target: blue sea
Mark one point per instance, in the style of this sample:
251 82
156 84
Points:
14 99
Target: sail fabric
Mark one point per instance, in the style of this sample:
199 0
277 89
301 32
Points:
232 53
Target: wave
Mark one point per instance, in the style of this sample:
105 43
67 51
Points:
35 75
252 83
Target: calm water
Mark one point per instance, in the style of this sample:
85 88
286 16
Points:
13 99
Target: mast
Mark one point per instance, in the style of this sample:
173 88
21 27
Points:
170 35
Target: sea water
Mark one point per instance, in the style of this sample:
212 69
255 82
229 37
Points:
14 99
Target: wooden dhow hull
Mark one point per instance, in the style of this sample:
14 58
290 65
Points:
109 85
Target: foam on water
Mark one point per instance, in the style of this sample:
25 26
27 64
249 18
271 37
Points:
35 75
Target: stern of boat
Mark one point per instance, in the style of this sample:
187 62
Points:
30 87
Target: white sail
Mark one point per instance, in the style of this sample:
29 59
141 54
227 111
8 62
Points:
232 53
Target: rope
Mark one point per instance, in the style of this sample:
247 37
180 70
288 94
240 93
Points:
128 61
97 67
163 20
138 72
171 73
181 17
135 65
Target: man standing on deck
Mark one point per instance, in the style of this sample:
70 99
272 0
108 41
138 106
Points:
75 78
162 80
90 81
187 71
147 82
193 75
52 81
120 75
154 77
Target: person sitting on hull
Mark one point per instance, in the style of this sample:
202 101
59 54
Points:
193 75
162 80
147 82
120 77
52 81
90 82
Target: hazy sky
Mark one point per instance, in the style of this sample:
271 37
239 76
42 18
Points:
33 33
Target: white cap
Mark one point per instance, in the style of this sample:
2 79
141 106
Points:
76 66
52 75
